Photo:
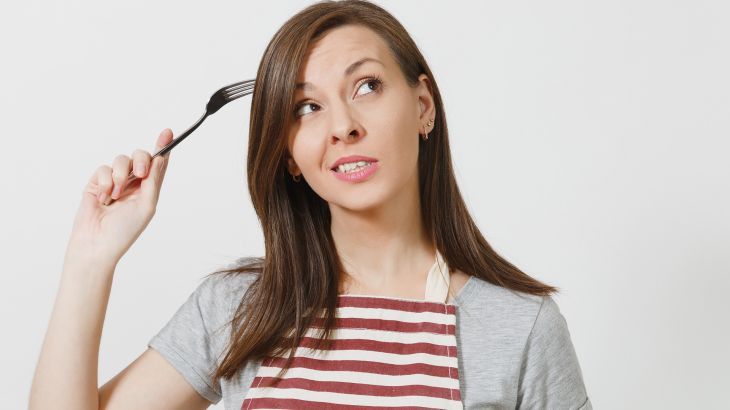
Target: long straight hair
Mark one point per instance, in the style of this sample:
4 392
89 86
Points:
297 279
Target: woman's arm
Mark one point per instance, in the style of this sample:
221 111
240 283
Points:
551 376
66 372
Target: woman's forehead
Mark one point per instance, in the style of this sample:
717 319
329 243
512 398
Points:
340 48
348 71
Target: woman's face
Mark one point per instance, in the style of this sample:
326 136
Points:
350 106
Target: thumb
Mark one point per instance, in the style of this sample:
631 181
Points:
150 186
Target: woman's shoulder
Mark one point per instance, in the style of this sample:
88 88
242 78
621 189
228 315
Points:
475 290
228 284
507 334
496 306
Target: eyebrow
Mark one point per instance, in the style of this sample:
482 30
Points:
348 71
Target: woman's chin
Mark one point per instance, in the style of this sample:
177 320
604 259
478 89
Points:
357 202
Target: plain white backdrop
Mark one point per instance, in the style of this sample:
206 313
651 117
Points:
591 142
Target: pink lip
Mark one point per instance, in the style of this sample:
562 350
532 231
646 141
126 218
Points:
357 176
352 158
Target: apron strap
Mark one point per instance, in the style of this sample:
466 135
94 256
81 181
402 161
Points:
437 281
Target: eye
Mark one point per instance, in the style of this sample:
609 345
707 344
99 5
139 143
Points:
370 84
298 111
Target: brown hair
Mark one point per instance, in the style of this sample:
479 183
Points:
297 280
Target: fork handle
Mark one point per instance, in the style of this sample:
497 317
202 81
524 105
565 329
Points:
164 150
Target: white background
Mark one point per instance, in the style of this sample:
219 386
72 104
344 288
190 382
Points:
590 140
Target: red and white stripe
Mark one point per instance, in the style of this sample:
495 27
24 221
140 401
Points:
386 353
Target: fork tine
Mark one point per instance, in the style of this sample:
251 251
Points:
238 88
238 84
241 84
236 92
238 95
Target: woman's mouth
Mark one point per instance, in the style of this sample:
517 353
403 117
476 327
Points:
356 171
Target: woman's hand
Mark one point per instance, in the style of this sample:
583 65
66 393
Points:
103 233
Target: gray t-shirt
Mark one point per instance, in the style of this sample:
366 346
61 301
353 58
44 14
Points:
514 349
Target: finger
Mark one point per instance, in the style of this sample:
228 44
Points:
163 139
103 181
120 171
141 160
152 185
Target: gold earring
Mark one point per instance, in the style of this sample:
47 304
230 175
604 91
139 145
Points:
425 135
296 178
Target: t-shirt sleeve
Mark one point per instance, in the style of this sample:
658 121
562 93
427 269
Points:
551 377
193 338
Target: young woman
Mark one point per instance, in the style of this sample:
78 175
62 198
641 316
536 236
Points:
377 288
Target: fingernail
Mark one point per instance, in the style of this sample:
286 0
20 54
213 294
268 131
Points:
115 192
139 169
103 197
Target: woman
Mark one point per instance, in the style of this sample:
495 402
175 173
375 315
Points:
375 275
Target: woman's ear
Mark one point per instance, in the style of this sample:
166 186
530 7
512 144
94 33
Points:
425 100
292 166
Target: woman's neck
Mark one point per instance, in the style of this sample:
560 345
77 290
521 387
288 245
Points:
383 251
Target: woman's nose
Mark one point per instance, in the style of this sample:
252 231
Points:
345 126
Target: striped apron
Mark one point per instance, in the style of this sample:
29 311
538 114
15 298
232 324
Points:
388 353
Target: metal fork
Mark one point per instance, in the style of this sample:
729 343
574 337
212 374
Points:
217 100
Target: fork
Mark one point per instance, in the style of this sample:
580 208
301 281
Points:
217 100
